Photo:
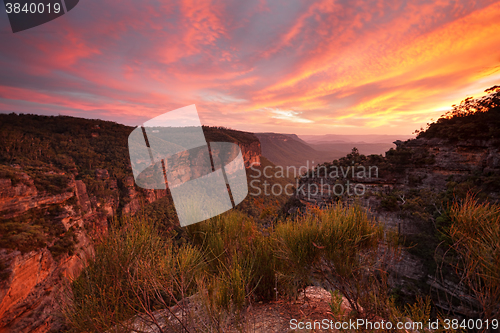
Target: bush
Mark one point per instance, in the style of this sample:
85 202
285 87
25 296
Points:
227 263
472 119
296 246
342 246
52 184
231 242
10 173
21 236
64 245
475 232
106 293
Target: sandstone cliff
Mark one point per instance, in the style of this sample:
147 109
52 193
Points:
33 277
57 194
407 191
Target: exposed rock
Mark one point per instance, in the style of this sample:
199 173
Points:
28 295
72 218
312 305
454 161
251 153
433 165
101 174
27 283
83 198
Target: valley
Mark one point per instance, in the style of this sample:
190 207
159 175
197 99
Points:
79 237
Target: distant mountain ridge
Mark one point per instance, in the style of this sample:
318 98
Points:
355 138
290 150
308 150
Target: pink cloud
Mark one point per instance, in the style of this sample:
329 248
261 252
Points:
365 65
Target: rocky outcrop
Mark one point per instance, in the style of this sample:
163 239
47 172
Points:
251 153
101 174
431 164
28 297
135 197
16 200
190 315
424 166
32 282
453 161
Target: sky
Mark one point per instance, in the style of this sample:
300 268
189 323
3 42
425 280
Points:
288 66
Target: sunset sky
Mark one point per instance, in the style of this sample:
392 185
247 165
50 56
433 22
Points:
304 67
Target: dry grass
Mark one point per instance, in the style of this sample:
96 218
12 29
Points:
475 232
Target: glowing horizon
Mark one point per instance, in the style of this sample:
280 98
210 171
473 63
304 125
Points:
319 67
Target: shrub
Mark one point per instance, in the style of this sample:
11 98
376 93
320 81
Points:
475 232
21 236
295 245
52 184
64 245
342 246
226 263
230 242
106 293
10 173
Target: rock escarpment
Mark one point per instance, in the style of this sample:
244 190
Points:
251 153
65 227
458 162
408 192
54 207
424 164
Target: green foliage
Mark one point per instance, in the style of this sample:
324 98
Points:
52 184
234 246
64 145
41 230
21 236
336 303
338 245
64 245
389 203
227 262
109 289
10 173
67 145
295 245
135 270
224 134
419 312
473 119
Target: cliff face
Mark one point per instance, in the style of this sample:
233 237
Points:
421 164
32 279
405 193
251 153
456 162
15 200
47 232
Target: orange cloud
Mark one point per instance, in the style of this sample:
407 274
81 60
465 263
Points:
364 66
